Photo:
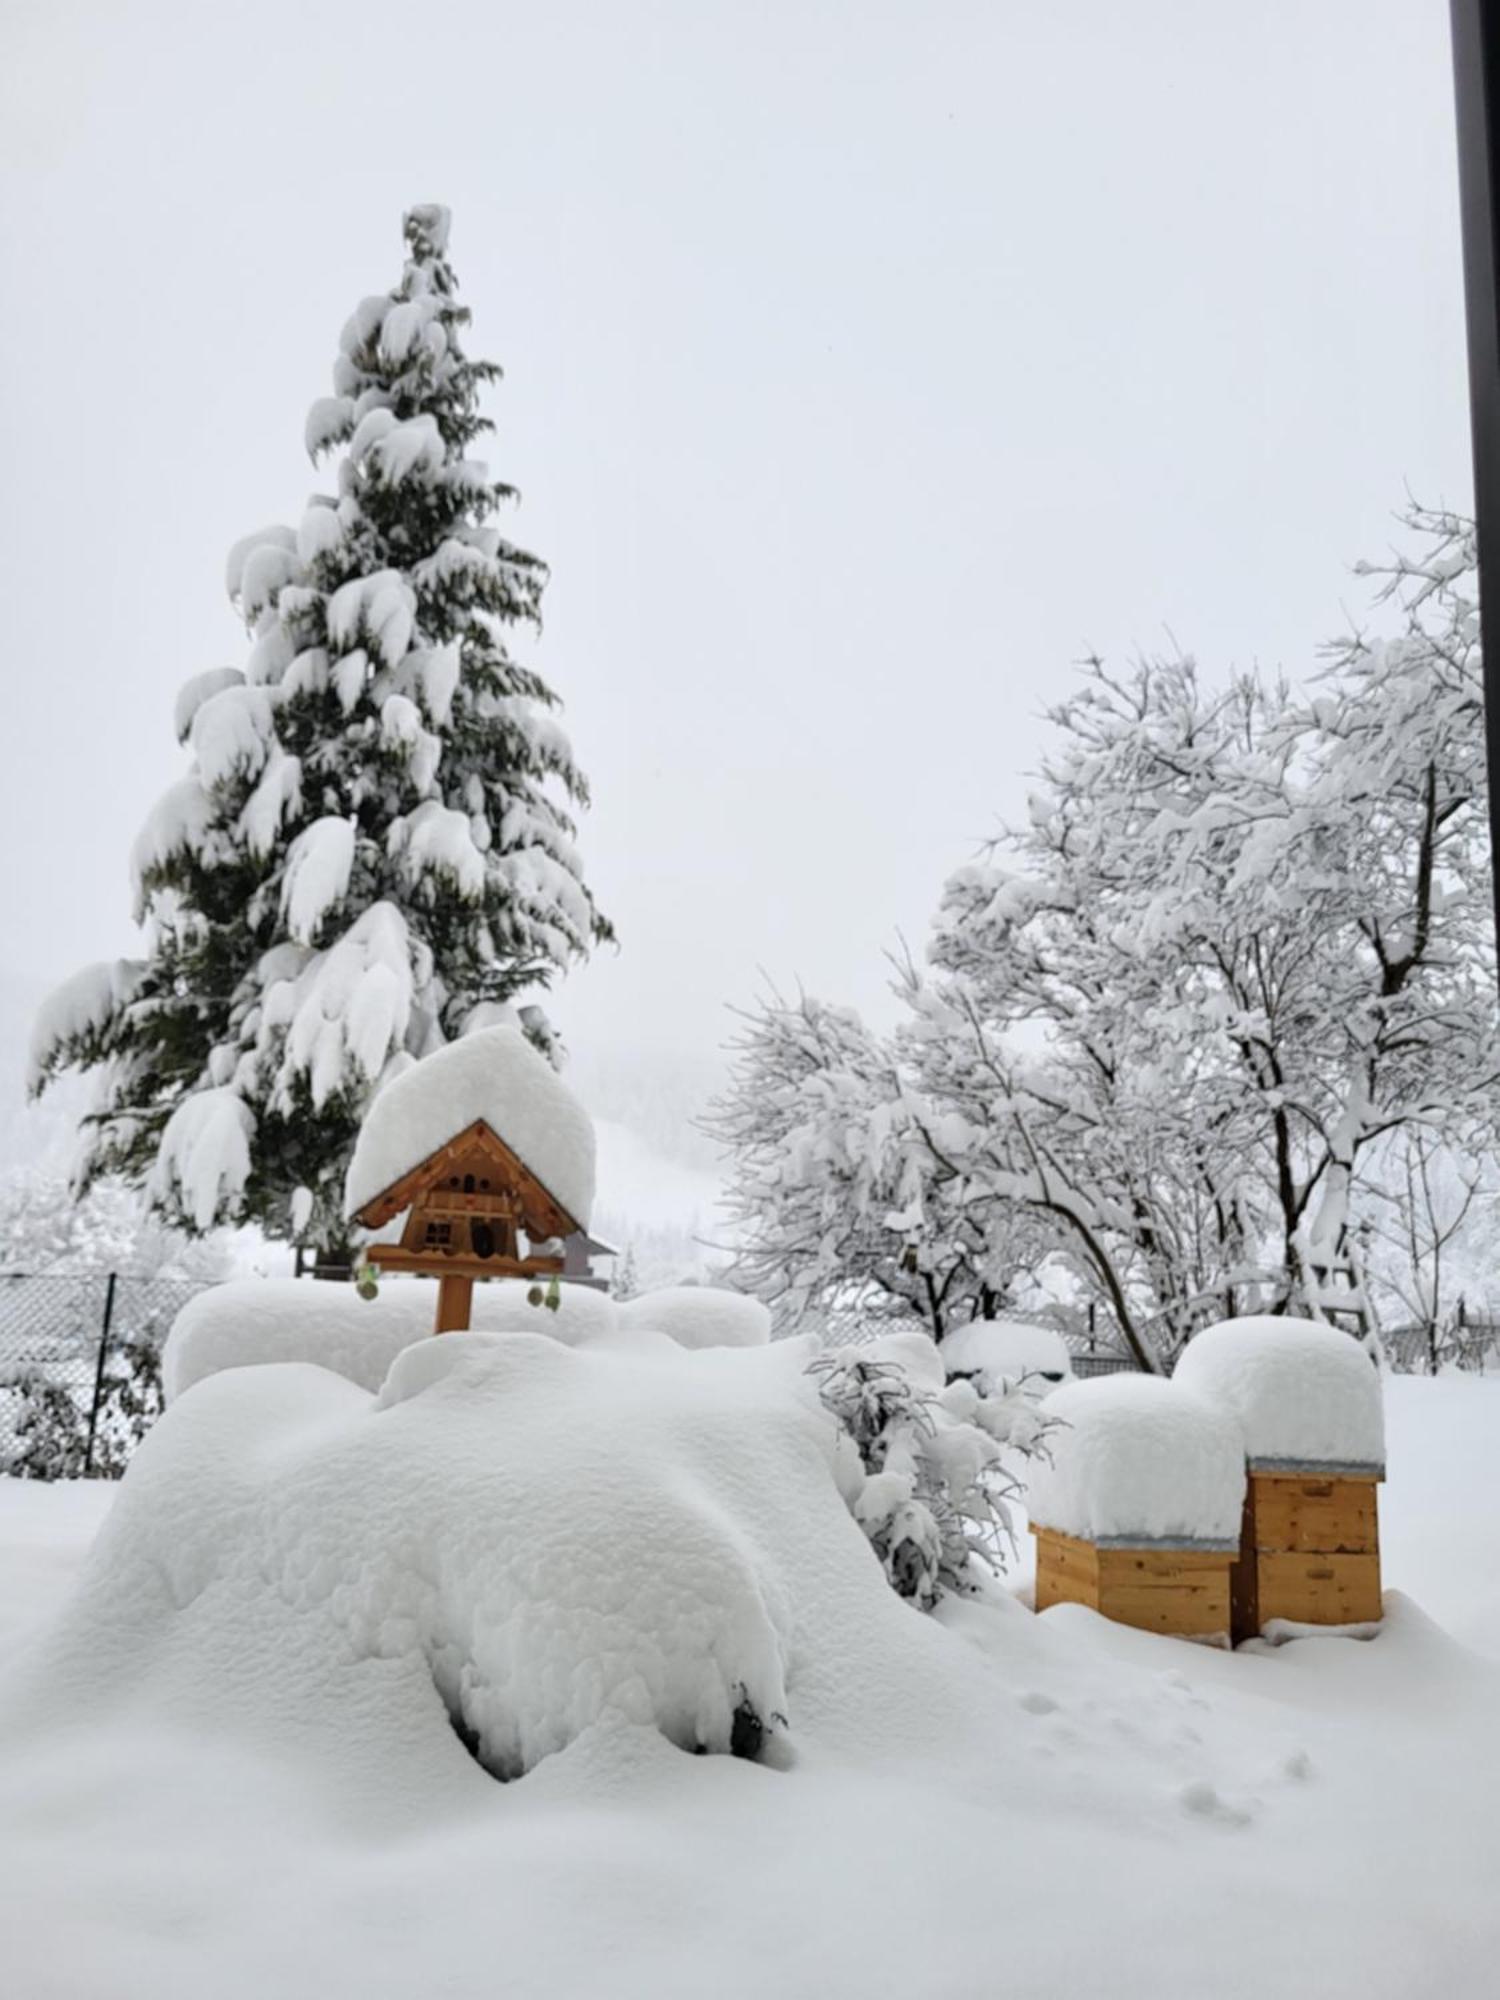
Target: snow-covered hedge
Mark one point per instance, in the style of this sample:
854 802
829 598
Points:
1137 1460
1303 1393
258 1320
700 1316
1001 1353
530 1539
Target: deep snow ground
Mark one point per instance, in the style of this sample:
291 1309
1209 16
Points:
996 1804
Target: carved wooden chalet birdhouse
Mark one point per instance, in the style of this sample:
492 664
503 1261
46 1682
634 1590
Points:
510 1174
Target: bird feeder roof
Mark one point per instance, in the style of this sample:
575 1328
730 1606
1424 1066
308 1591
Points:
493 1080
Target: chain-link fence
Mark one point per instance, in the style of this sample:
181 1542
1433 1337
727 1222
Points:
1465 1339
80 1369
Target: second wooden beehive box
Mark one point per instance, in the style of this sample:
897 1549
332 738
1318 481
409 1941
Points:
1309 1402
1309 1549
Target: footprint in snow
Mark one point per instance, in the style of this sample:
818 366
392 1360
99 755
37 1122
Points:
1201 1798
1038 1704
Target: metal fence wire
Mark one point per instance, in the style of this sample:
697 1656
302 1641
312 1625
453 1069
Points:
80 1368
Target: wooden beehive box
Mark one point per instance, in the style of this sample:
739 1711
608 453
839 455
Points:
1309 1404
1309 1548
1183 1590
1136 1510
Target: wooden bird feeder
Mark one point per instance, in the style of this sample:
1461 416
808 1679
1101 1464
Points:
1309 1548
474 1210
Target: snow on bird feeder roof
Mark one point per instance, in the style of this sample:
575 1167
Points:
1138 1461
1304 1394
495 1078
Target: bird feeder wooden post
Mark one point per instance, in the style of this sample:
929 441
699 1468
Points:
473 1210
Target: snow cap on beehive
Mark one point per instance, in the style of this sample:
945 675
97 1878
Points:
1138 1461
497 1076
1304 1394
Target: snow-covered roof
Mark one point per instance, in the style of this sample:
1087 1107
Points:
1138 1460
495 1075
1303 1393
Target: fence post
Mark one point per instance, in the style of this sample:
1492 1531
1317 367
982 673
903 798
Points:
109 1313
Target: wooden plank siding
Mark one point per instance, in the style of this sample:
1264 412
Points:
1183 1592
1309 1551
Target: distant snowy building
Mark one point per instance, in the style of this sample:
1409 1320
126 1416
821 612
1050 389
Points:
580 1254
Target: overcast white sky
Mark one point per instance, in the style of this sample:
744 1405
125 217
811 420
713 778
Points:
866 364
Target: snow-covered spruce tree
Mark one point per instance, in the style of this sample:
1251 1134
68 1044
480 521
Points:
372 849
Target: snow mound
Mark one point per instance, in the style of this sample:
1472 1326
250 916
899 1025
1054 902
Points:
495 1075
1303 1393
255 1320
699 1316
1140 1460
522 1539
1005 1353
251 1321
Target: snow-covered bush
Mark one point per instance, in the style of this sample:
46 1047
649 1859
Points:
46 1226
253 1321
1000 1354
48 1427
48 1422
699 1316
514 1544
932 1491
131 1399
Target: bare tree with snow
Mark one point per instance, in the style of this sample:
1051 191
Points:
1241 939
